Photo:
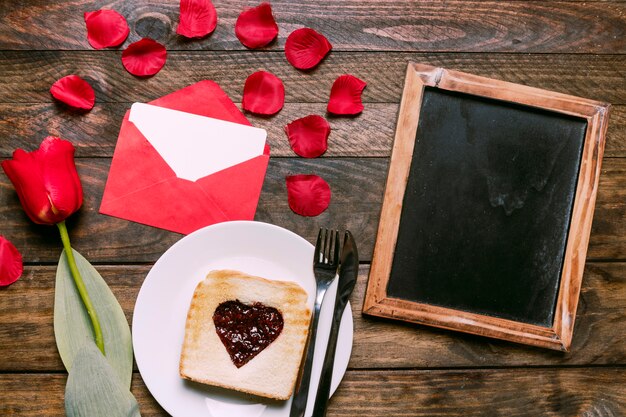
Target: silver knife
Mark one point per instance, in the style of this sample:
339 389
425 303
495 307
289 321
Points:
348 272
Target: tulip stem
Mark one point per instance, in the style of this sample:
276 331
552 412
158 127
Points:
80 286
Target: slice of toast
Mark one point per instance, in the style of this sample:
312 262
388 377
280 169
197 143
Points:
272 372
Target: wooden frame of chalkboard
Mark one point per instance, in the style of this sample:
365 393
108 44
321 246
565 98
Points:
558 334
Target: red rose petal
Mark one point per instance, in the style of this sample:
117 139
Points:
345 95
263 93
197 19
308 136
106 28
305 48
308 195
74 91
256 27
11 266
144 58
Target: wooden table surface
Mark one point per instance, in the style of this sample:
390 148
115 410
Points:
396 369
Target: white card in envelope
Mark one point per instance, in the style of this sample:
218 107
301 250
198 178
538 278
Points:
196 146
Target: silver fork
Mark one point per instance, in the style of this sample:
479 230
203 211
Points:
325 263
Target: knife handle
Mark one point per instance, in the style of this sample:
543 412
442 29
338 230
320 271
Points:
323 389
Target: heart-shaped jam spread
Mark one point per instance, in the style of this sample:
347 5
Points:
245 330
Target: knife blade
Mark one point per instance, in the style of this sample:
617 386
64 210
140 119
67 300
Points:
348 272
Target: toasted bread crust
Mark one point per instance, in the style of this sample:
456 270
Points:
272 373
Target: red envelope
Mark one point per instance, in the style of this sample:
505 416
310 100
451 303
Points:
143 188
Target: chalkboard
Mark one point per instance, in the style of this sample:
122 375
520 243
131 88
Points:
488 208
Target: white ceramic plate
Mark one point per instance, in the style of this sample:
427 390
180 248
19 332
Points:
161 310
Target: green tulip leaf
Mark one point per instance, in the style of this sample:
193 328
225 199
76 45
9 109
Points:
72 327
94 390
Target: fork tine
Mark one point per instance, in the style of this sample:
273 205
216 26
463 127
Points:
318 245
327 244
331 240
336 253
327 247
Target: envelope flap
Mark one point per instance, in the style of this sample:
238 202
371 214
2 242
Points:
204 98
134 151
172 202
238 187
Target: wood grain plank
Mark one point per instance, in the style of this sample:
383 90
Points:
495 393
26 77
27 338
95 133
407 25
357 187
523 392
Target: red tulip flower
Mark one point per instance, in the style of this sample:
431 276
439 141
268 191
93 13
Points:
46 181
49 189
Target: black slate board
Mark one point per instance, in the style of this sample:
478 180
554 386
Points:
487 207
